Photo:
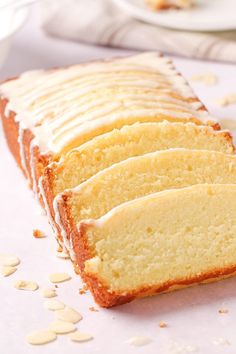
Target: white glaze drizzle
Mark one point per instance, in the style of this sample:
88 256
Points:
22 149
50 219
67 242
59 105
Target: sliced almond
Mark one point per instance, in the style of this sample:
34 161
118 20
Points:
61 327
7 270
139 341
48 293
53 304
26 285
59 277
9 260
63 255
80 337
69 315
41 337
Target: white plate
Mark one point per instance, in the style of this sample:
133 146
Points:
11 20
208 15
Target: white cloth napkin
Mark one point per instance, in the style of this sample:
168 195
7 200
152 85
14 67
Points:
101 22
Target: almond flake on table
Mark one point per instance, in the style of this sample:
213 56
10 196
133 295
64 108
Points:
9 260
38 234
63 255
139 341
26 285
41 337
69 315
53 305
80 337
7 270
227 100
59 277
62 327
221 341
208 79
48 293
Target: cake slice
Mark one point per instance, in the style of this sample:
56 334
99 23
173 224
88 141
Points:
137 177
47 113
104 150
160 242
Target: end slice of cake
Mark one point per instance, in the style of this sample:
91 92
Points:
160 242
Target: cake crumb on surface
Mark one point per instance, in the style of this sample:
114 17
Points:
38 234
26 285
162 324
223 310
93 309
83 290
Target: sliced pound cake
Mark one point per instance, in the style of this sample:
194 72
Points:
47 113
104 150
160 242
137 177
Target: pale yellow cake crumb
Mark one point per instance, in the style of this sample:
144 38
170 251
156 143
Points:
38 234
162 324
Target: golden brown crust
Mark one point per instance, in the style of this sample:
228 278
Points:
102 295
101 292
11 130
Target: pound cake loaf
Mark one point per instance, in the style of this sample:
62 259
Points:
127 163
47 113
81 163
161 242
137 177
